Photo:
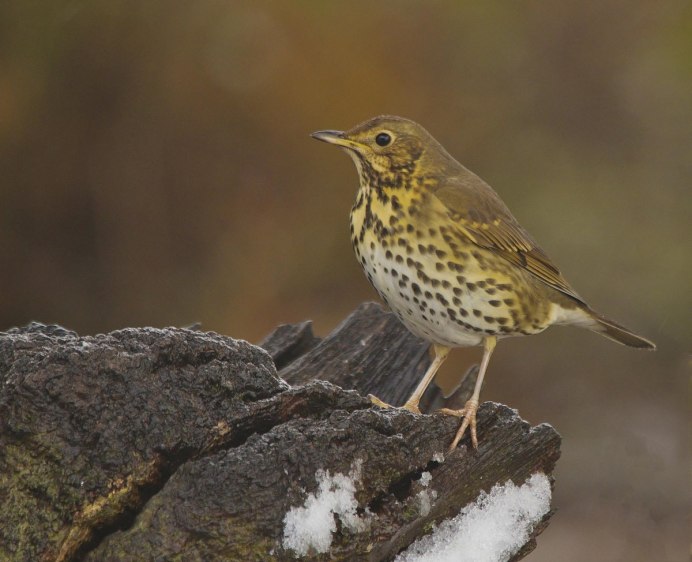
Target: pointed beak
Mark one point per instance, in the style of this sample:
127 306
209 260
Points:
335 137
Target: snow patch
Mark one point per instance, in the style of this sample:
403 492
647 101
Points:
425 501
425 479
491 529
426 497
312 525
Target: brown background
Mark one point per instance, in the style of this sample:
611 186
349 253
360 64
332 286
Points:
156 169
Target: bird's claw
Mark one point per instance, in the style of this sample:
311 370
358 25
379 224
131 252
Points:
377 402
410 406
468 412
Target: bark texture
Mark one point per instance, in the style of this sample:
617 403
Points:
176 444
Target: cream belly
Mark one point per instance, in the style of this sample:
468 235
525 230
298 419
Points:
439 301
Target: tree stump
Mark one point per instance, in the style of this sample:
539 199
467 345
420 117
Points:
176 444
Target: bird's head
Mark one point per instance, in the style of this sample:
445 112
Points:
388 145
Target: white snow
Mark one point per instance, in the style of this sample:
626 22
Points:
311 526
425 478
492 529
438 457
426 497
425 501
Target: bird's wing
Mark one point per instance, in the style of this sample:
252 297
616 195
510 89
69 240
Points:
479 215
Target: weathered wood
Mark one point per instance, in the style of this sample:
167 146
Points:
370 352
147 444
288 342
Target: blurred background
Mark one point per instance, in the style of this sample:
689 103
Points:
156 170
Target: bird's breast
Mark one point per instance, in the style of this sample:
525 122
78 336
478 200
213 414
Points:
444 290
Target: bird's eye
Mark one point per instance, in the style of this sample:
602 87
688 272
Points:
383 139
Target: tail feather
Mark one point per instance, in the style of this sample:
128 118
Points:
616 332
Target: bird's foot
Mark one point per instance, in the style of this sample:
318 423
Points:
468 412
410 406
377 402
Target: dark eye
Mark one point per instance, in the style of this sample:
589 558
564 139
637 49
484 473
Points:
383 139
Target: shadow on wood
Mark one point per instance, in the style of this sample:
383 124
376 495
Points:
147 444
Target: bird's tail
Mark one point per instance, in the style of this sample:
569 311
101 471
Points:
616 332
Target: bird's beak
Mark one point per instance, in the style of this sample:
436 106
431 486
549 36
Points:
338 138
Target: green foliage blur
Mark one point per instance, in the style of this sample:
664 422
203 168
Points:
156 169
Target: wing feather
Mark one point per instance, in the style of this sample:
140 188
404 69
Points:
481 217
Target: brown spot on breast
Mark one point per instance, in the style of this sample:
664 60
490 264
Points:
477 313
494 303
416 288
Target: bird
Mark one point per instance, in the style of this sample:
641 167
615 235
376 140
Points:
447 256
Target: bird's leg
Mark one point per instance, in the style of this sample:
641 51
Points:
468 412
411 405
441 353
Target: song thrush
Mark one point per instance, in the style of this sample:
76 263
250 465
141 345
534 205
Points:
447 256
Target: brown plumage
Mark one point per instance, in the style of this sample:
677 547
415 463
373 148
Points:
447 255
